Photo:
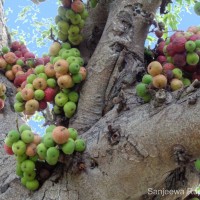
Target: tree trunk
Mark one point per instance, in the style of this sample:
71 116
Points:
133 149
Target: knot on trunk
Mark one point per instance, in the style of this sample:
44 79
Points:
114 135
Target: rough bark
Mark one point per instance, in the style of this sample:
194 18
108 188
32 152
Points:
127 154
123 36
132 147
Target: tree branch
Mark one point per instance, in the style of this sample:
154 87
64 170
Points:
123 30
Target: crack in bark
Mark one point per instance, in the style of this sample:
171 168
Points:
124 77
43 197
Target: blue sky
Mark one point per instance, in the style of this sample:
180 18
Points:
48 9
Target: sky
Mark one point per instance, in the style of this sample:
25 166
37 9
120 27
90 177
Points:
48 9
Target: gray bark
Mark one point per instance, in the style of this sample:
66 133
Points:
122 41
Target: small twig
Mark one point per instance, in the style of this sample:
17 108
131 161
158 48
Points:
35 1
52 36
189 89
164 5
17 125
153 31
49 113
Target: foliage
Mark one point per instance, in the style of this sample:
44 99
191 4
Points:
172 19
38 29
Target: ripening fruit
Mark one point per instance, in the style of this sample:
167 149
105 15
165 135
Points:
61 99
83 72
192 58
41 150
176 84
69 147
51 161
23 181
42 75
77 78
73 30
61 66
69 109
53 153
177 73
75 52
8 149
5 49
65 81
74 68
146 98
27 94
31 149
10 57
21 158
49 70
32 185
141 89
19 107
48 141
63 26
186 81
76 19
24 127
31 106
39 94
39 69
13 135
37 139
60 134
3 63
54 49
34 158
147 79
19 148
10 75
29 175
197 164
77 6
2 104
27 136
73 133
73 96
51 82
18 170
57 110
31 78
159 81
8 142
80 145
27 166
158 33
50 128
154 68
84 14
39 83
190 46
